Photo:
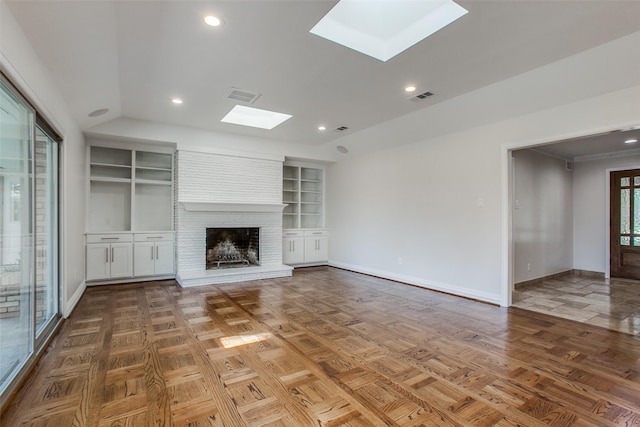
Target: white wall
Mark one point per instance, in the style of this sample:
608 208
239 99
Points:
21 64
590 207
442 202
422 201
542 212
435 205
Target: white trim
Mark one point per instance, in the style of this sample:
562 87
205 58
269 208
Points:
133 279
612 155
423 283
129 144
73 301
506 251
199 149
232 207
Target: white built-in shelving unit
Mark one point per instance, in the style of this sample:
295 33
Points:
130 213
303 192
305 240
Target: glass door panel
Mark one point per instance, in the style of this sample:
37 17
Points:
625 224
46 227
16 248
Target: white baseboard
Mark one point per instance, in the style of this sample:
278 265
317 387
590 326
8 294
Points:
73 301
423 283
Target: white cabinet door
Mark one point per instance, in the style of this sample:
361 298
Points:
316 249
153 258
98 261
144 255
322 253
121 257
164 258
293 250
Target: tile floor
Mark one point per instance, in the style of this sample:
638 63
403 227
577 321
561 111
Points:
610 303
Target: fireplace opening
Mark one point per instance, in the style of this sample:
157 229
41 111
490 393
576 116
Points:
232 247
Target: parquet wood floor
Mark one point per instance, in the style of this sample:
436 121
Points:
324 348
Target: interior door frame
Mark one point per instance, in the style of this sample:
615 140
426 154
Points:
607 237
507 279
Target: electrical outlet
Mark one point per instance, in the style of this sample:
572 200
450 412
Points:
400 260
529 267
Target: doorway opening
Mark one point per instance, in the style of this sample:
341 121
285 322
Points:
588 159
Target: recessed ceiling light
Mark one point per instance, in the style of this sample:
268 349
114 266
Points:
410 89
99 112
342 149
322 128
214 21
631 141
383 29
176 100
254 117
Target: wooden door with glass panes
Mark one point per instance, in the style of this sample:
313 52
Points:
625 224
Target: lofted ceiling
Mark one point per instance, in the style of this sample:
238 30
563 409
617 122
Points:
132 57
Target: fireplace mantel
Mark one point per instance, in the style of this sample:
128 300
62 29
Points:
232 207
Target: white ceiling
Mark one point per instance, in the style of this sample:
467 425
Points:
595 146
133 56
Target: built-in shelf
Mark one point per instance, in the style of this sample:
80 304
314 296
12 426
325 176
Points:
130 196
108 179
303 191
130 190
152 182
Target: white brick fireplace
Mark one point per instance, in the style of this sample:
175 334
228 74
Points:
218 191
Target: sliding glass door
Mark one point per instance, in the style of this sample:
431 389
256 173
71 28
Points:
16 261
28 234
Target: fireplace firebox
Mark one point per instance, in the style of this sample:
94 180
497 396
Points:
232 247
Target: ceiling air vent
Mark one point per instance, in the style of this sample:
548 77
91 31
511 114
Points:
243 95
421 97
341 129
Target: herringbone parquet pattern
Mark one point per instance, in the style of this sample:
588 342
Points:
324 348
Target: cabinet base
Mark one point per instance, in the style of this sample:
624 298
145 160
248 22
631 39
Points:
310 264
130 280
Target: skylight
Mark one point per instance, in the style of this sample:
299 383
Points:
384 28
254 117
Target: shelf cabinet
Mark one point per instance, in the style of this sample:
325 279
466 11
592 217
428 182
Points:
129 190
316 246
305 247
304 240
108 257
293 247
303 192
153 255
130 197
